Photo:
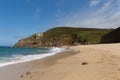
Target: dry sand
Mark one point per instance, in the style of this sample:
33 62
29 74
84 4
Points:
91 62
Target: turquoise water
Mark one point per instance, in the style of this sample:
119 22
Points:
9 51
10 55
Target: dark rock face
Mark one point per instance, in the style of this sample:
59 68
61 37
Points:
112 37
27 43
32 41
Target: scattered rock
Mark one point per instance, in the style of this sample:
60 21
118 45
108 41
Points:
84 63
27 73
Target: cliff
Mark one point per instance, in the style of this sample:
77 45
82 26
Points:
61 36
32 41
112 37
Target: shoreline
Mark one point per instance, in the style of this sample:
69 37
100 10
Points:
95 62
13 72
29 57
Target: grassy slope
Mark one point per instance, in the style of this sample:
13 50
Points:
91 34
63 36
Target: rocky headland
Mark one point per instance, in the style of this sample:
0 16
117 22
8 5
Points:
66 36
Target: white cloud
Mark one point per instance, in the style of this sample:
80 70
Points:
5 31
94 2
106 6
106 16
59 14
28 1
37 13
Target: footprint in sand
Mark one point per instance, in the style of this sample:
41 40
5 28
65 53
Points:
21 75
27 73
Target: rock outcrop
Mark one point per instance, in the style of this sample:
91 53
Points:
32 41
112 37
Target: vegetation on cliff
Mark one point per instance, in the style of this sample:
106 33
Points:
61 36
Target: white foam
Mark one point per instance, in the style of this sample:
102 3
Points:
21 58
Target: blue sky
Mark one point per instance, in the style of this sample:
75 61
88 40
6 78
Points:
21 18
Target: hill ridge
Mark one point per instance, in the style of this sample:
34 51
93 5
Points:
60 36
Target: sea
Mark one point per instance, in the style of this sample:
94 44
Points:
10 55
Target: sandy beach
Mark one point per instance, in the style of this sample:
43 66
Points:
84 62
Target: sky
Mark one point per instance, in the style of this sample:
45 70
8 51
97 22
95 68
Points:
21 18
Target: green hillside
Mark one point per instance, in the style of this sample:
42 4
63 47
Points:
70 36
61 36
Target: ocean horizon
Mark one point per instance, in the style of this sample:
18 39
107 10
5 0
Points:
10 55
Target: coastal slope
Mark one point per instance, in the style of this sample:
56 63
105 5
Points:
61 36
